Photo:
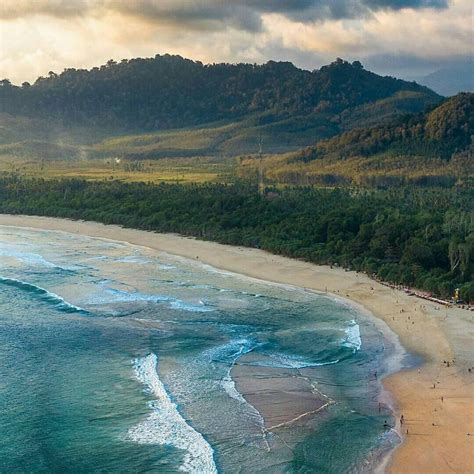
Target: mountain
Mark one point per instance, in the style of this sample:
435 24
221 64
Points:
450 81
228 106
425 147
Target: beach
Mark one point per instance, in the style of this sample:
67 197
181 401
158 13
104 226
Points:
436 400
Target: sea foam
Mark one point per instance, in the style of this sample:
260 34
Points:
229 353
352 339
193 308
233 351
45 295
32 259
113 295
166 426
285 361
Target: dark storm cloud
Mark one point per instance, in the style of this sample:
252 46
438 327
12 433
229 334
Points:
316 10
214 14
199 14
246 14
399 4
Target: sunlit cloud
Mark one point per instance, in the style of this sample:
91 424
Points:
42 35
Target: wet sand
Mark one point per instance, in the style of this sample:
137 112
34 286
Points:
440 435
282 396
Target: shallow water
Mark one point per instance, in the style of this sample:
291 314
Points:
117 358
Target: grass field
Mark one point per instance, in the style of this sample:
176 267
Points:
277 169
30 139
364 171
176 170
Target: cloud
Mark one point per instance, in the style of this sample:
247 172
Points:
13 9
213 14
397 37
402 33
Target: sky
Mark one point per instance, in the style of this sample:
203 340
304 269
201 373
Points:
403 38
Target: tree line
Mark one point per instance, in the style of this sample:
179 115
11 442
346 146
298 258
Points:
418 237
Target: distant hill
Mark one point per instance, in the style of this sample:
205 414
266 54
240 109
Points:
439 133
450 81
426 147
228 106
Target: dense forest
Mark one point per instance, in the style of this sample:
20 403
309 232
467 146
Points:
411 236
170 91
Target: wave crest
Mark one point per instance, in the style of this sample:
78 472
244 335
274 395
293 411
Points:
352 339
52 298
166 426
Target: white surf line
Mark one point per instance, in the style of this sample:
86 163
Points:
330 401
239 397
287 423
45 294
263 431
314 389
313 386
311 412
166 426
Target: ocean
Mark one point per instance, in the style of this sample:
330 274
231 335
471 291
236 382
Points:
119 358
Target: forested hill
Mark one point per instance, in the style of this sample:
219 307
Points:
432 148
442 132
168 92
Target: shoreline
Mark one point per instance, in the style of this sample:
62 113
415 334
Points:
440 432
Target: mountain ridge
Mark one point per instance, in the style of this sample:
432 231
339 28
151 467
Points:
290 107
450 81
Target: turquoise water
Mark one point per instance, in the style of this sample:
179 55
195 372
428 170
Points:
117 358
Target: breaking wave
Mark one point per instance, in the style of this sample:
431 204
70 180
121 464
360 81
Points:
47 296
166 426
352 339
113 295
